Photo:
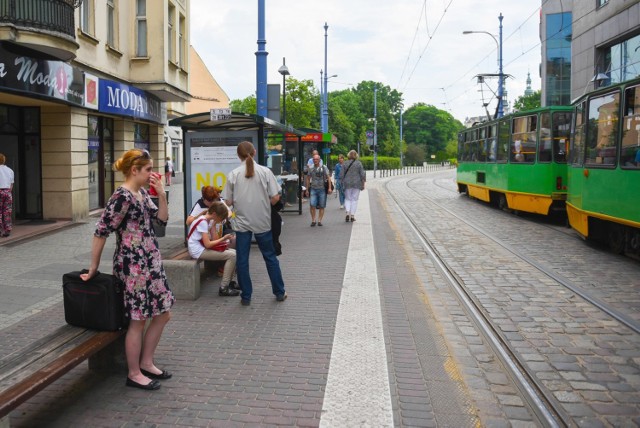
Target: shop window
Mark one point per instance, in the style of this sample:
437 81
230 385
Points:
141 136
602 132
577 143
524 139
141 28
630 150
503 141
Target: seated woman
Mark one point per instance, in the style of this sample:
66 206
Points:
202 247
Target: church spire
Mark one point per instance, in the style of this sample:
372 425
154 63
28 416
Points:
528 91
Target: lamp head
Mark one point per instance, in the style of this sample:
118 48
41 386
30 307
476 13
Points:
284 70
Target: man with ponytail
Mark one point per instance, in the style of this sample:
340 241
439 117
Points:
251 189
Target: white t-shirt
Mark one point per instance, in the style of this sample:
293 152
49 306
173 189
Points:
194 245
6 177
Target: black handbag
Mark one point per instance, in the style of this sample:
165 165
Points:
97 304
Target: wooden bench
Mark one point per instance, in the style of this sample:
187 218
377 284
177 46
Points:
183 274
24 374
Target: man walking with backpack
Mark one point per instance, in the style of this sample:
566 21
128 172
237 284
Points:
318 185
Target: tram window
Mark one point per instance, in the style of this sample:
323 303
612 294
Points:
602 132
630 150
492 144
577 142
523 139
561 131
503 141
482 145
545 146
473 153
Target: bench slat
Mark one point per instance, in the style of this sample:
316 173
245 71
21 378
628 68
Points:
90 342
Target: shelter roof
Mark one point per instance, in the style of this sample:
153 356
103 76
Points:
237 122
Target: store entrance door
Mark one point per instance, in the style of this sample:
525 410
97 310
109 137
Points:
20 143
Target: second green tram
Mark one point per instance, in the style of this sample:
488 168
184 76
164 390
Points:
604 167
519 161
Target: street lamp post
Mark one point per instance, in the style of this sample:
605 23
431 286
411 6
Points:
375 130
284 70
500 110
401 155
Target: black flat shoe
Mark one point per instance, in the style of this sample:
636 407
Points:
151 386
162 376
226 291
347 218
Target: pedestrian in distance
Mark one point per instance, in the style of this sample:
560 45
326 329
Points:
310 161
6 197
318 184
251 189
203 246
169 171
137 262
353 177
336 177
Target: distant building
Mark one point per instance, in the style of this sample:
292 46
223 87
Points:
528 91
599 48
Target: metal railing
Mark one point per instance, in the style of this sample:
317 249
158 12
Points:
414 169
51 15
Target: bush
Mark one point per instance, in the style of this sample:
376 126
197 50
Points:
384 162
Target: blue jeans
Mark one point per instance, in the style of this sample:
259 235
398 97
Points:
243 247
340 191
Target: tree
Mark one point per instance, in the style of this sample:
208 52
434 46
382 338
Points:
528 102
415 155
430 127
302 99
246 105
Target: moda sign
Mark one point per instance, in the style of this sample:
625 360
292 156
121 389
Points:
50 79
121 99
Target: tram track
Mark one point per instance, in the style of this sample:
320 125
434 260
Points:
549 272
545 408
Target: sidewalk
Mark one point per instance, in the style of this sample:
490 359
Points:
336 350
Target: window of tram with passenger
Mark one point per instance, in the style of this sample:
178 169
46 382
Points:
524 139
554 136
630 150
602 129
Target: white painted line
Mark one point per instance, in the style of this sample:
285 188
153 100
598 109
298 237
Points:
357 392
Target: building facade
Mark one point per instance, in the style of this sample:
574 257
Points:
600 47
80 83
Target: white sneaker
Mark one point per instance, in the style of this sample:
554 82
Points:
341 207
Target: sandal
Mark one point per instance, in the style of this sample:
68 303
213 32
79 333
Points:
347 218
353 218
319 223
313 223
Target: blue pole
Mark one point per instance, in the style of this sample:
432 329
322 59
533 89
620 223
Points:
325 107
500 76
375 130
261 63
321 103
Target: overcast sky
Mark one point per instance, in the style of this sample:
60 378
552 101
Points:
423 55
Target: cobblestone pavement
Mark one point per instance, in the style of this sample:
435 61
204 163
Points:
269 364
587 360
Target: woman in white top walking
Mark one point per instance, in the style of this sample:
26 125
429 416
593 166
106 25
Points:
6 197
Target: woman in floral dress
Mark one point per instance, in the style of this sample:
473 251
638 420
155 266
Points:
137 263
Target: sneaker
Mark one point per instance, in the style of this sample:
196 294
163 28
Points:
234 286
245 302
282 297
226 291
341 207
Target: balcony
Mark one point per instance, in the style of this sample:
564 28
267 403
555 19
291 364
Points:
40 28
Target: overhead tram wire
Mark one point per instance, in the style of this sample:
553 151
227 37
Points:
415 35
428 43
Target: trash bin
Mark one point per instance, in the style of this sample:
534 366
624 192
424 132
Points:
291 191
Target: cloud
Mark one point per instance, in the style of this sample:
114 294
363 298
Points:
371 40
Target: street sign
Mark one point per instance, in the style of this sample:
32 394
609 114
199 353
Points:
220 114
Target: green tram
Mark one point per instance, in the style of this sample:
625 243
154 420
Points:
517 162
604 167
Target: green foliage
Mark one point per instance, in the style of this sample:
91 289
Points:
528 102
246 105
415 155
302 98
384 162
430 127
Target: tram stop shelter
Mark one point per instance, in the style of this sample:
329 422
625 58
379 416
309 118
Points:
209 151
